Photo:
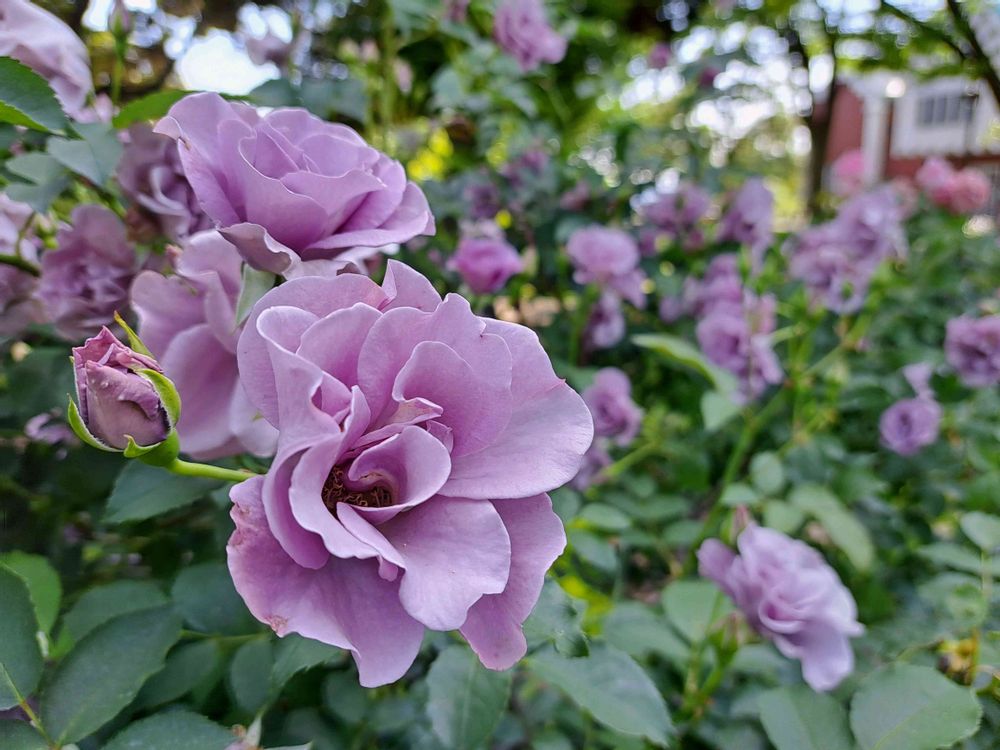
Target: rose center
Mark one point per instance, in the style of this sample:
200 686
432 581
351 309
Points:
335 491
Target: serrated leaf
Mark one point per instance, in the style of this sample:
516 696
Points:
294 654
27 99
172 730
46 179
557 618
43 584
205 596
105 671
796 718
94 155
344 697
150 107
103 603
143 491
20 657
610 686
186 667
465 700
249 675
846 531
639 631
693 607
906 707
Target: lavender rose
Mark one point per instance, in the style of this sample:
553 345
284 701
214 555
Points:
608 258
606 324
188 321
910 424
677 213
45 44
848 173
609 399
521 29
416 442
790 596
117 401
486 263
288 188
750 219
86 279
972 346
18 306
595 461
151 176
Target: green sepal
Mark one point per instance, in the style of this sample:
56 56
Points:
80 429
163 453
133 338
167 392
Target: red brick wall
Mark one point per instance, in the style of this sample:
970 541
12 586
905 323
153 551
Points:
845 125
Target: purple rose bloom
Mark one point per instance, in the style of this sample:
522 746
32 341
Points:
188 321
972 346
832 277
679 212
151 176
18 306
608 258
576 198
659 57
482 199
720 289
872 223
595 461
606 324
116 401
741 343
416 442
45 44
790 596
672 308
86 279
750 219
486 263
521 29
14 230
269 48
609 399
910 424
288 188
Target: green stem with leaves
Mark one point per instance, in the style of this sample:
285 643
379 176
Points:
208 471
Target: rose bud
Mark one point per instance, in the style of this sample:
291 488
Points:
125 402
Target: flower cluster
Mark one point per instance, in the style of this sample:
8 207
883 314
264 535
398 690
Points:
521 29
961 191
678 214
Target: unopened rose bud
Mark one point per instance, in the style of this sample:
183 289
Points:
125 402
120 21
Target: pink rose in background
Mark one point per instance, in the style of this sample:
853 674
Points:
962 191
151 176
609 399
521 29
847 173
416 442
486 263
289 188
933 173
188 321
48 46
85 280
792 597
659 56
609 258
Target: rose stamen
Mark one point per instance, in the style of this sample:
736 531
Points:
335 491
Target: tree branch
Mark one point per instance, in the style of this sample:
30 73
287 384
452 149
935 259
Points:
980 57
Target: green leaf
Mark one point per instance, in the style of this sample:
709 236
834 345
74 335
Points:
46 179
738 494
796 718
344 697
593 549
717 409
94 156
255 285
905 707
610 686
18 735
27 99
104 672
465 700
639 631
767 474
295 654
959 558
781 516
103 603
693 607
20 656
186 667
172 730
557 618
43 584
150 107
680 351
604 517
143 491
249 675
983 529
847 532
205 596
